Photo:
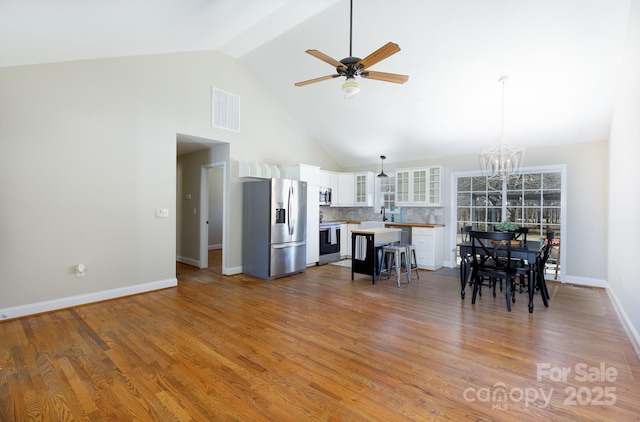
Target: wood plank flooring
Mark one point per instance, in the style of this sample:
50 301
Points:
318 346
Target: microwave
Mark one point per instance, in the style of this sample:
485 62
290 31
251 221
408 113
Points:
325 196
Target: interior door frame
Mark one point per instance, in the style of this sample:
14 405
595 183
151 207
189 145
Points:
204 213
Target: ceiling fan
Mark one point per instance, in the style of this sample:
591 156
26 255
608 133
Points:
350 67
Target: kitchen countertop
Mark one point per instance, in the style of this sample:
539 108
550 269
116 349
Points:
386 223
389 223
375 230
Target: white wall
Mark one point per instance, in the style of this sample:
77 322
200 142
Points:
89 151
624 198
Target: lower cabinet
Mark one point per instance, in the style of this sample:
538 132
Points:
429 244
345 240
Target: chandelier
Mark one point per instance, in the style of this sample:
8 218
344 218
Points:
502 161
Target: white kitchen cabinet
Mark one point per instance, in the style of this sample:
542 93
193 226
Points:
364 189
419 187
350 228
429 244
435 186
304 172
345 239
346 196
313 224
349 189
328 179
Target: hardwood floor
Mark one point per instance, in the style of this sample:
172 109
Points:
318 346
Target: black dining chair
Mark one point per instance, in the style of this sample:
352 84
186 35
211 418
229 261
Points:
521 234
491 260
464 238
541 284
522 267
464 233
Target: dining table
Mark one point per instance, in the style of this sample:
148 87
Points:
527 251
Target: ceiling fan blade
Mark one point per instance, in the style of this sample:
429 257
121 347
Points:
319 55
311 81
380 54
387 77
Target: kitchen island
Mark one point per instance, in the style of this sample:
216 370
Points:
366 245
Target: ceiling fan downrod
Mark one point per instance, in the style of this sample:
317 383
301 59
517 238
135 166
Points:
351 29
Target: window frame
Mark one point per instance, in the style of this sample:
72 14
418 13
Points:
561 169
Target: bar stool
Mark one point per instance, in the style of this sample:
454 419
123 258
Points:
395 256
411 259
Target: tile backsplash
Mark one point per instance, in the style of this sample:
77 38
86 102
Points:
406 215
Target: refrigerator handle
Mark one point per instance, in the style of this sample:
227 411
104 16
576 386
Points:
288 245
289 222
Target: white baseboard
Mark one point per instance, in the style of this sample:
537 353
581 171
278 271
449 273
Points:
231 270
67 302
188 261
218 246
632 333
584 281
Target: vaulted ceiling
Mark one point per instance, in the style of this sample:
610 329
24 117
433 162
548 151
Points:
562 58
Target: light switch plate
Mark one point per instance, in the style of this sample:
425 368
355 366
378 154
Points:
162 212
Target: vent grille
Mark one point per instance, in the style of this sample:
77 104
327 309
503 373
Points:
225 109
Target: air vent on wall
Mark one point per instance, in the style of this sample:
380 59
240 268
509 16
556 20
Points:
225 110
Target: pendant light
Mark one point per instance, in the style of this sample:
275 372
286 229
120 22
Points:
382 174
504 160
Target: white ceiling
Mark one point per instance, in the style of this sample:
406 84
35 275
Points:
562 58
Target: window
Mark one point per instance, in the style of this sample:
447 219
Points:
387 190
532 200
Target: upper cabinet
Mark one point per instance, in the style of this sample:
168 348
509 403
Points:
346 195
304 172
364 186
349 189
419 187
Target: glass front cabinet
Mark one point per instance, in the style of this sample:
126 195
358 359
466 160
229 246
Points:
418 187
364 189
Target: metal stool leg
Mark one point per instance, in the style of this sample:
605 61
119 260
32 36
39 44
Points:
413 261
398 258
384 261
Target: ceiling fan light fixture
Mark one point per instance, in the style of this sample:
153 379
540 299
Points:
350 88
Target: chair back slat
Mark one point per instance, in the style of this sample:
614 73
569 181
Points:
491 250
546 251
464 233
521 234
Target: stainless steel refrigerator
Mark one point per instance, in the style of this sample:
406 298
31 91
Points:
274 228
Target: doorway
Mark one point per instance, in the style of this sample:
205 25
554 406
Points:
201 173
212 227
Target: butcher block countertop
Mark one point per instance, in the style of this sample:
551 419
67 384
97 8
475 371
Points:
392 224
375 231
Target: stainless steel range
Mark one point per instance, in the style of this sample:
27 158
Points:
329 242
